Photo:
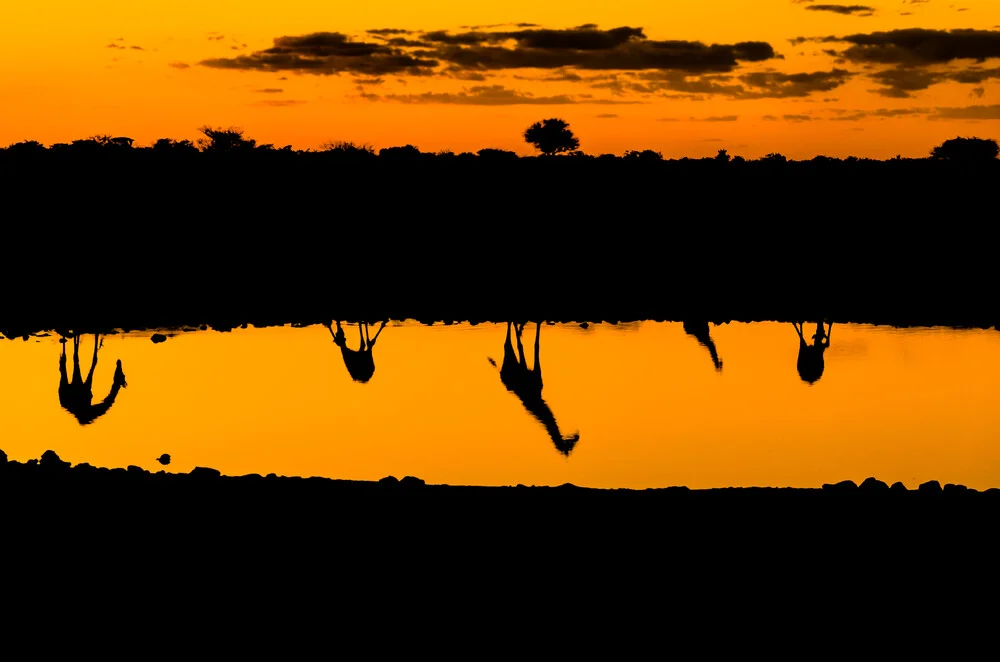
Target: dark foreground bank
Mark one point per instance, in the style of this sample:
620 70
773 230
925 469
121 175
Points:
400 565
352 515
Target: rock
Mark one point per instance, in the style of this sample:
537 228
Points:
411 481
930 486
134 470
842 486
52 461
388 480
271 476
3 458
898 487
164 459
955 488
872 484
205 472
158 338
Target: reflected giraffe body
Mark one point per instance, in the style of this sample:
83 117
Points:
526 384
76 396
700 331
359 362
811 362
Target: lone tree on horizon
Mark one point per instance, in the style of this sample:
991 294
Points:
551 136
966 150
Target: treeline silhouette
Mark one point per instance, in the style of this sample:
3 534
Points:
232 144
226 229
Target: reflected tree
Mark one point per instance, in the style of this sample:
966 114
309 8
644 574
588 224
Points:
359 362
526 384
700 332
77 396
810 362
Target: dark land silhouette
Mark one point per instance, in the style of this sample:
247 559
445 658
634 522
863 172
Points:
76 394
526 384
231 231
249 550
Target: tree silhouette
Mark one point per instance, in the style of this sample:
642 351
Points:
966 150
722 156
551 136
225 141
168 147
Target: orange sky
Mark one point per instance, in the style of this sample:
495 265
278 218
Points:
70 70
650 409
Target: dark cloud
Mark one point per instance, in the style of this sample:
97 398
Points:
978 92
840 115
587 47
269 90
711 118
385 32
901 82
606 116
492 95
851 10
278 103
328 53
797 118
179 65
967 113
917 46
369 81
754 85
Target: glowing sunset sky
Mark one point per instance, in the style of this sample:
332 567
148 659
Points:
804 77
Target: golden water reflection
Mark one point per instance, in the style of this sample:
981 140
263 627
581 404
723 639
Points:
640 405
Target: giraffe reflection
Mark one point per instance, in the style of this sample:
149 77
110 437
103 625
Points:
811 363
359 362
526 384
77 396
701 333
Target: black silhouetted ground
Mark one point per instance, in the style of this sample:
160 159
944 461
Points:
295 237
246 559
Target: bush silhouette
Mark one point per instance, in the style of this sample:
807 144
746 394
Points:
644 155
497 154
225 141
348 148
966 150
551 136
168 147
722 156
405 152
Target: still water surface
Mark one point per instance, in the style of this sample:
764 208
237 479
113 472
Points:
631 405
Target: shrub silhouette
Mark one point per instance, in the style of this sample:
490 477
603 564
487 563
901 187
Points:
225 141
644 155
168 147
551 136
722 156
405 152
348 148
774 157
497 154
966 150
